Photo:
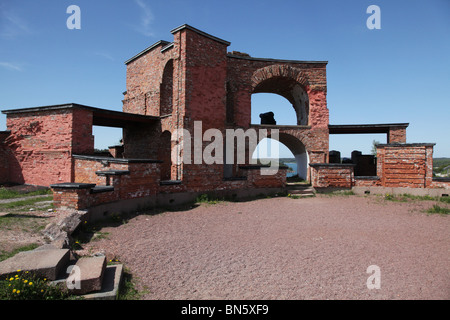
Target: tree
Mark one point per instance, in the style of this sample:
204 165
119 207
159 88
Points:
374 147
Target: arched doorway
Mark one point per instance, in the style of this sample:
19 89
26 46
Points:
297 149
164 154
166 103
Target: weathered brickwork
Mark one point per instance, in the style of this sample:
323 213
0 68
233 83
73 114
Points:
405 165
367 182
248 75
41 144
332 176
397 135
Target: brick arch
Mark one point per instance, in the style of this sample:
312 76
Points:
166 89
281 71
288 82
296 144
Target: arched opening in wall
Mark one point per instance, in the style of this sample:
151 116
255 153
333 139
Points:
108 141
166 103
287 151
285 97
164 154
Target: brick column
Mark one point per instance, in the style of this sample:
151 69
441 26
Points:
72 195
396 135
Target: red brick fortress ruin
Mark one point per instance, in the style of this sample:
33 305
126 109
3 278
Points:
173 87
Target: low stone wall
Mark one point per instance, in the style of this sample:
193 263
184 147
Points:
367 181
332 175
101 180
443 183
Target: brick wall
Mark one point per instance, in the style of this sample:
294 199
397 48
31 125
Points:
245 74
143 79
367 182
397 135
405 165
325 175
206 73
41 144
267 178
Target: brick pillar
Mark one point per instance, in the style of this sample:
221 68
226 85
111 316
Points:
72 195
397 135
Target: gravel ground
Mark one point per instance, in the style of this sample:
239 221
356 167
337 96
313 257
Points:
287 249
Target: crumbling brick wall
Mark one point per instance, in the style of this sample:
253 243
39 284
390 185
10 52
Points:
405 165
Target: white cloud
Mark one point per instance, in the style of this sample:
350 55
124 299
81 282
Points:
11 25
146 20
104 55
11 66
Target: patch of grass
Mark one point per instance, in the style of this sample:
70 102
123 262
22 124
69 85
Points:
11 194
28 223
405 197
100 235
205 198
444 199
437 209
127 290
23 203
338 193
7 255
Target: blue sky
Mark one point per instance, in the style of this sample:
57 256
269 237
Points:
399 73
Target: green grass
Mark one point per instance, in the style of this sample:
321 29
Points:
127 290
7 255
437 209
11 194
205 198
338 193
26 286
27 223
406 197
23 203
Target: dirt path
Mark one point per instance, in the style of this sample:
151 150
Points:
282 248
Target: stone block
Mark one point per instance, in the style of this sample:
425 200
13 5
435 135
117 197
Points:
91 271
44 262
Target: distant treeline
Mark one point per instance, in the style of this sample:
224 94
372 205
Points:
441 166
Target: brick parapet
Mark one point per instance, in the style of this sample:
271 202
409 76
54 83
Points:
405 165
332 175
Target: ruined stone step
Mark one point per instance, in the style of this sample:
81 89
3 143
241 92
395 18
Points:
110 286
87 274
46 262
